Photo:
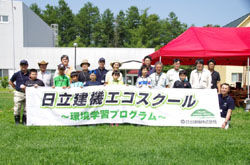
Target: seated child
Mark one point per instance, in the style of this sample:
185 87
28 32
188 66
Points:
74 80
182 83
92 82
144 81
61 80
33 81
115 81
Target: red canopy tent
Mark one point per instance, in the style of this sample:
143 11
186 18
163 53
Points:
228 46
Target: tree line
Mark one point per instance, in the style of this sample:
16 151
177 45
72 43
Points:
90 28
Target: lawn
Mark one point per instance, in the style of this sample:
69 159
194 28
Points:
126 144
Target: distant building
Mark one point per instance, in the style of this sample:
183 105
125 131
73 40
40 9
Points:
233 74
20 27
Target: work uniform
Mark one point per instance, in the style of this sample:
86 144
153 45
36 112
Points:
225 104
19 96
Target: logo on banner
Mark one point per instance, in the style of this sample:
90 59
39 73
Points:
202 113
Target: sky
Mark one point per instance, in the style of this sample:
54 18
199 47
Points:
197 12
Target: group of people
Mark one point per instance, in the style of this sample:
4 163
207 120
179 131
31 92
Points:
148 76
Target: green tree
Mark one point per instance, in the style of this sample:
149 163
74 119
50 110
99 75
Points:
171 28
66 24
88 25
51 14
107 21
211 25
132 23
120 30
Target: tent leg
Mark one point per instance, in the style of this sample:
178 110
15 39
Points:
247 101
160 58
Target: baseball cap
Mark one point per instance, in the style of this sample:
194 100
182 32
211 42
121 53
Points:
102 59
23 62
61 66
74 73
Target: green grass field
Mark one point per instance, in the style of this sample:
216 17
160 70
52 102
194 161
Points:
126 144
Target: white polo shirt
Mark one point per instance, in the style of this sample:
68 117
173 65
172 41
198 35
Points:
200 79
172 76
46 77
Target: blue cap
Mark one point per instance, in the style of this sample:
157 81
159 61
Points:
92 71
102 59
23 62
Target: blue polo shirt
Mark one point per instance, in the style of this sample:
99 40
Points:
20 78
225 103
92 83
100 75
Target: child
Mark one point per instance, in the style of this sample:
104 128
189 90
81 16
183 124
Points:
144 81
61 80
182 83
75 82
115 80
33 81
92 82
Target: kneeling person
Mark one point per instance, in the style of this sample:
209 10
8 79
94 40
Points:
182 83
226 104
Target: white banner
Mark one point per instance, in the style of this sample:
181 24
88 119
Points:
123 104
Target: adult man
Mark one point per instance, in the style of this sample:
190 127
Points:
214 75
65 62
101 71
147 61
173 74
20 78
158 79
226 104
44 75
200 78
84 74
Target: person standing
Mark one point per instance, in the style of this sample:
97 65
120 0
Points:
101 71
200 78
33 80
214 75
182 82
65 62
173 74
75 82
147 61
61 80
92 77
158 79
84 74
17 81
109 76
143 81
44 75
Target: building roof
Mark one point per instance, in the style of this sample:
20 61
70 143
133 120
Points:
237 22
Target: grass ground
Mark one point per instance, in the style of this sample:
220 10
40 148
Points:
126 144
